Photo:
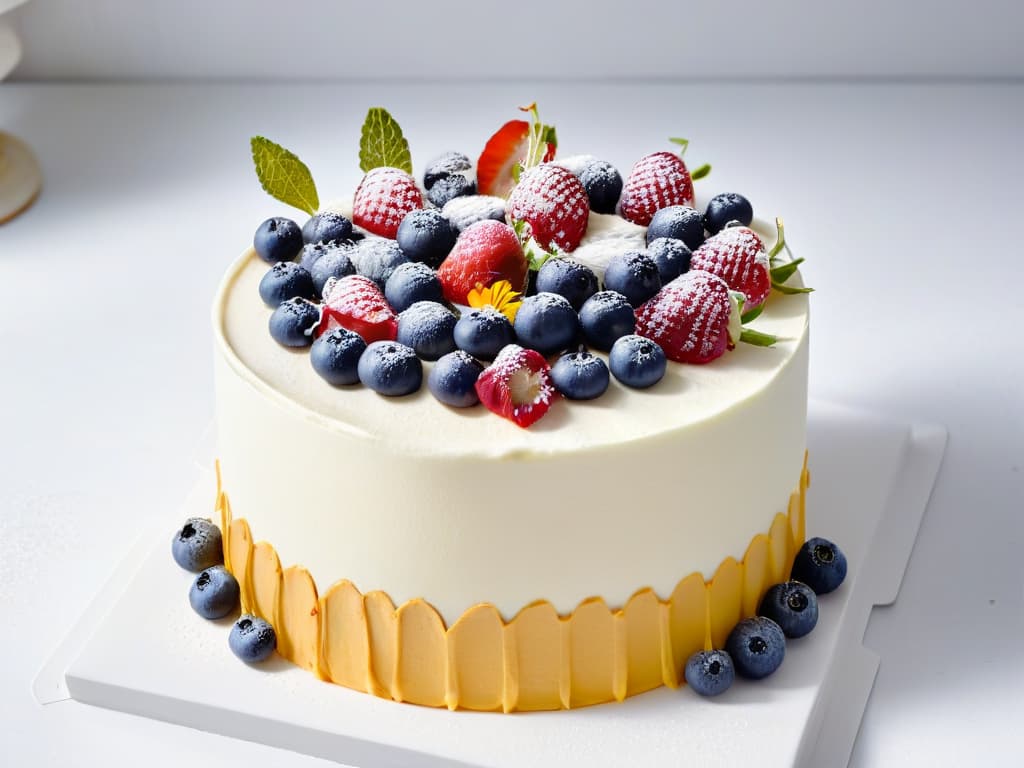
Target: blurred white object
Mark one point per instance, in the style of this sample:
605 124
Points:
20 176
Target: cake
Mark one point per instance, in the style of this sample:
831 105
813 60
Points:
449 557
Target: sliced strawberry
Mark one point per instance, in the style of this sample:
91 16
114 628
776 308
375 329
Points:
737 255
517 385
383 198
555 205
355 302
507 148
655 182
486 252
689 317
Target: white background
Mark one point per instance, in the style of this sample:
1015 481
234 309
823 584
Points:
904 197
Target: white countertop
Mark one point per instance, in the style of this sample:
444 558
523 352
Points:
904 199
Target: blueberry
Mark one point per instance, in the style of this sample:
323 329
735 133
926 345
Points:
757 647
325 227
793 606
819 564
391 369
567 278
214 593
637 362
605 317
452 380
411 282
426 235
450 187
277 239
376 258
197 545
483 332
312 253
463 211
671 256
335 356
334 263
709 673
633 275
444 166
603 184
727 207
679 221
292 323
429 328
580 375
547 323
285 280
252 639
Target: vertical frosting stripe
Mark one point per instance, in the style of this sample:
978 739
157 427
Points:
642 617
592 653
344 641
240 547
265 581
477 655
781 552
757 573
382 631
687 620
537 633
421 666
725 593
298 610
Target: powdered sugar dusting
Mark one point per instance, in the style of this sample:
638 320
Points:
689 318
383 198
469 209
737 255
656 181
555 205
607 236
574 164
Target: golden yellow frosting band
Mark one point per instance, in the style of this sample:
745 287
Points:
539 660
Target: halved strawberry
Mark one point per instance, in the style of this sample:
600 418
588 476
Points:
656 181
517 385
355 302
486 252
383 198
507 148
555 205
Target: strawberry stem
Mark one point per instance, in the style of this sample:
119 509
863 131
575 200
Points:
756 338
684 143
780 241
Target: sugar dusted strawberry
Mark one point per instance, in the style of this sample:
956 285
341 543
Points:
383 198
737 255
356 303
517 385
656 181
689 318
555 205
516 143
486 252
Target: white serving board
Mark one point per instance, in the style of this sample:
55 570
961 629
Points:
140 649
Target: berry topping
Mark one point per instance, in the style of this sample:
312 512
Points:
819 564
757 647
214 593
376 258
335 262
634 275
197 545
429 328
510 147
293 322
679 221
486 252
517 385
725 208
326 227
252 639
547 323
580 375
554 203
689 318
411 282
709 673
671 256
793 606
463 212
448 164
484 332
637 362
335 356
737 255
391 369
655 182
449 188
567 278
277 239
603 184
312 253
427 236
286 280
383 198
605 317
453 378
355 302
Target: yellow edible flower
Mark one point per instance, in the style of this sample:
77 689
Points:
499 295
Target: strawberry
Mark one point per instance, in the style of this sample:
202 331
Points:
486 252
517 385
506 149
656 181
355 302
555 205
383 198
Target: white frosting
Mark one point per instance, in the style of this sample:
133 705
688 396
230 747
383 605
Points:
406 495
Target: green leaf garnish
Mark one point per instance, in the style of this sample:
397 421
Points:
684 143
283 176
382 143
789 290
783 272
752 315
758 339
700 173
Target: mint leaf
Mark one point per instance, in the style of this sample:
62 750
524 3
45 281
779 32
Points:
382 143
549 136
684 143
701 172
283 176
